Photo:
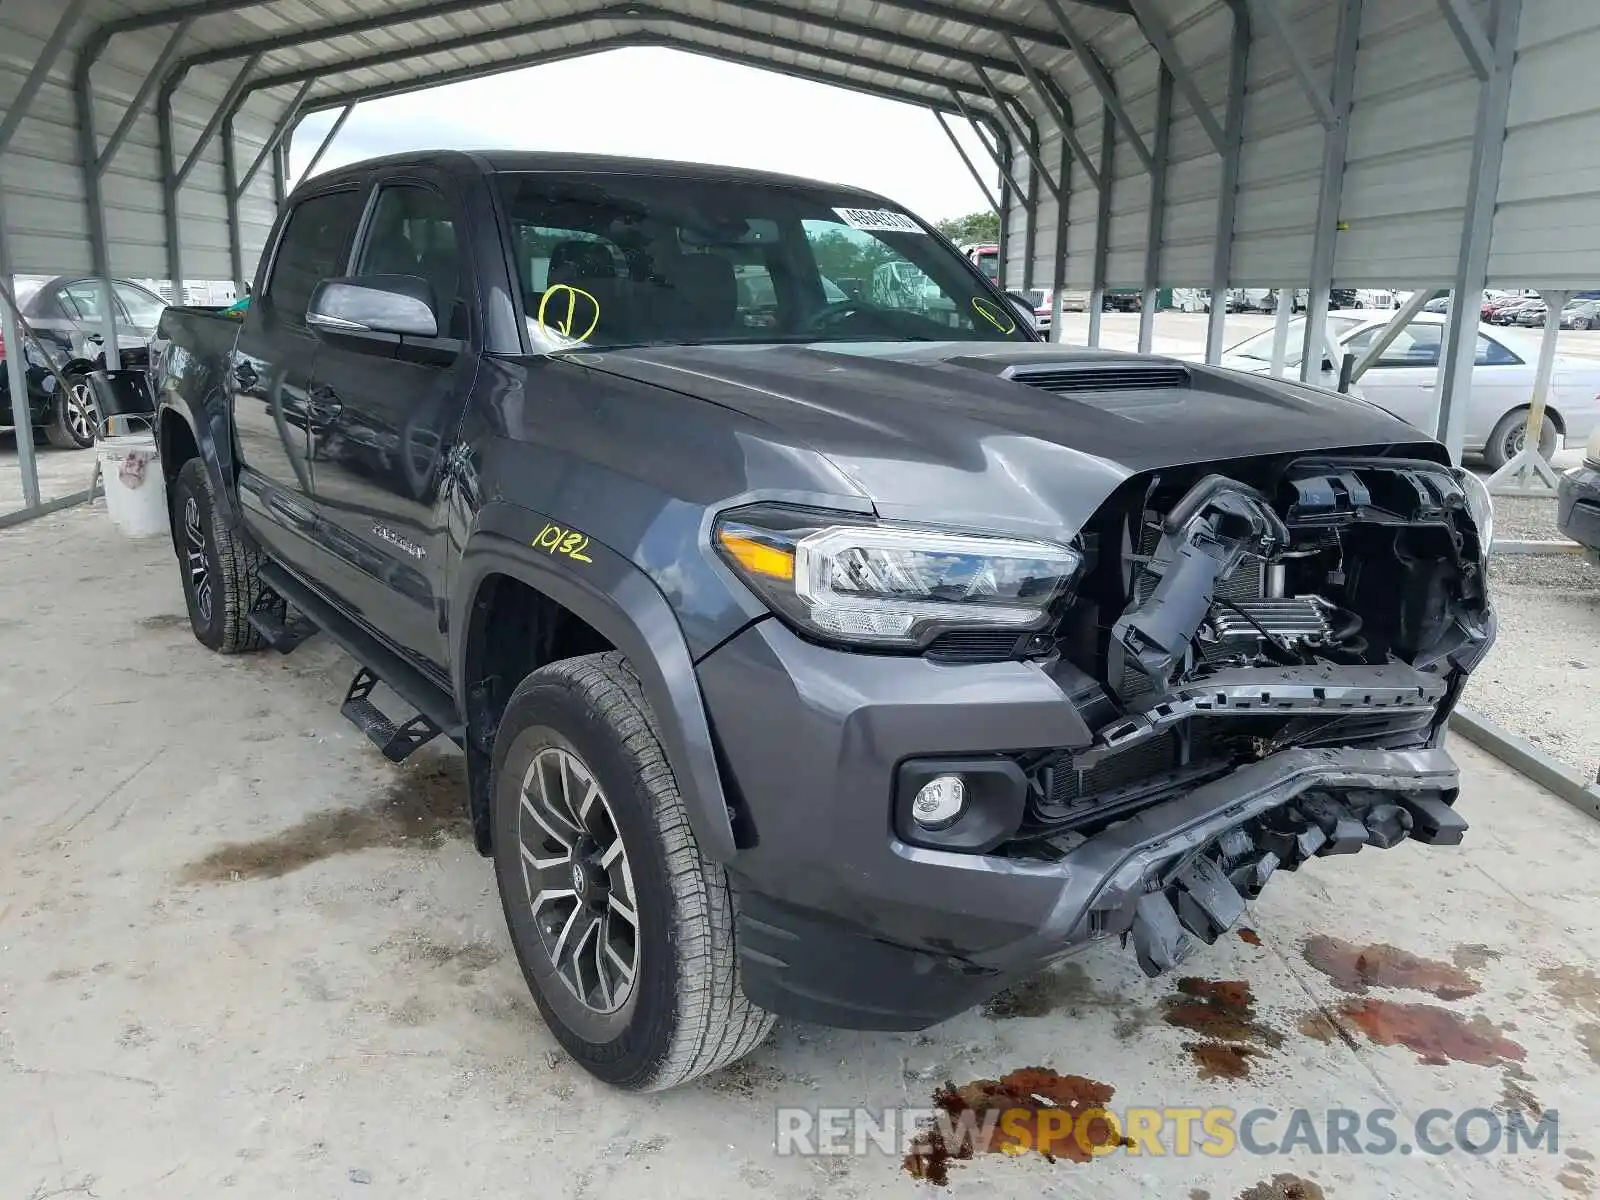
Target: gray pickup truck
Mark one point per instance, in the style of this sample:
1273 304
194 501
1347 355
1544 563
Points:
827 649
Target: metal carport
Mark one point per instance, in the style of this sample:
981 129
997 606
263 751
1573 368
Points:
1141 143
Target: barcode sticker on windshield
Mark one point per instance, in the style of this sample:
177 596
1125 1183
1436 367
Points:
878 219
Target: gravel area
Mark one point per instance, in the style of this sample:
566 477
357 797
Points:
1542 679
1525 518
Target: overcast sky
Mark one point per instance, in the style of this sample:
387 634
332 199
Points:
662 103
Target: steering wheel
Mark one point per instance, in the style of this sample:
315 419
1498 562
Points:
829 314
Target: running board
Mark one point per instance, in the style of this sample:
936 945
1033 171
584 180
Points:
281 631
436 710
398 742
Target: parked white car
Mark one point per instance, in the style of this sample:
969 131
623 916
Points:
1404 380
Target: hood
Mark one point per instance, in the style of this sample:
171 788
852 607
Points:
950 429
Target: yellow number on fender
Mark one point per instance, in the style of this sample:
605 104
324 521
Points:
569 542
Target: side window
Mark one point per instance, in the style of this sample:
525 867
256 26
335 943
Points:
414 233
1414 346
82 300
142 308
1491 353
314 246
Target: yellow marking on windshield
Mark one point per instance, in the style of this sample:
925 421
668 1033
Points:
575 303
992 313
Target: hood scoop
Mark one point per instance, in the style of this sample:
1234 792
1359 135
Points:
1098 378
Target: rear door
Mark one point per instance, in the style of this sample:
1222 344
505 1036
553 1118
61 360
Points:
385 422
271 371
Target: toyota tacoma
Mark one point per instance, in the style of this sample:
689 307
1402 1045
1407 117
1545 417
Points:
848 659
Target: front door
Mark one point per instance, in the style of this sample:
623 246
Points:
384 424
272 372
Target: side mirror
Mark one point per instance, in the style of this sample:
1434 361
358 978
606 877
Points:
382 308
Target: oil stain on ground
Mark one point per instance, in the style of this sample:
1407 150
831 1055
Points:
1249 936
1064 987
1577 1178
1514 1093
1224 1013
1033 1109
1436 1035
1284 1187
1575 988
164 621
419 810
1354 969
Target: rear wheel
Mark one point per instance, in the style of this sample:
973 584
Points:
1511 434
624 929
74 417
220 582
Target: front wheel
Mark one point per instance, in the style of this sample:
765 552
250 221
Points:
1511 435
74 416
623 928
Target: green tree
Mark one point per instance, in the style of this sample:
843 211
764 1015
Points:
978 227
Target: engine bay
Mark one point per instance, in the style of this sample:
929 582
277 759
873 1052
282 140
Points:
1225 615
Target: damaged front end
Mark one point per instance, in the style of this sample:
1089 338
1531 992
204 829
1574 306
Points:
1274 649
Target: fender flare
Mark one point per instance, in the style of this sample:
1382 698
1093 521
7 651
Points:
622 603
214 440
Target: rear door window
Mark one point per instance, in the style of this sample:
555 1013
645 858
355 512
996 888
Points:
315 246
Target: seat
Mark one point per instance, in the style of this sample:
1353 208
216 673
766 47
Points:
702 299
590 267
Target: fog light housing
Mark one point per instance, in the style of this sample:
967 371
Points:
970 804
939 802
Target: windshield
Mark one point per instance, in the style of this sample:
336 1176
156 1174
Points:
635 260
1259 348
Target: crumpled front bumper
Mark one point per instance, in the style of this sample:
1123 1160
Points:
842 923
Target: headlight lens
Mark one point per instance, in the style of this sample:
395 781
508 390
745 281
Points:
870 583
1480 505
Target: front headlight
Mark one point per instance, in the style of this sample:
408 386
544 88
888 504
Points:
1481 507
853 579
1591 449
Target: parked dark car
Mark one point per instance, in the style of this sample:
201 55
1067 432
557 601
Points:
849 661
65 313
1581 314
1578 501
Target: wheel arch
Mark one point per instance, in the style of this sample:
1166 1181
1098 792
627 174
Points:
614 602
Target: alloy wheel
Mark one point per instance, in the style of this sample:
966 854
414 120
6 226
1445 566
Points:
578 879
81 415
199 564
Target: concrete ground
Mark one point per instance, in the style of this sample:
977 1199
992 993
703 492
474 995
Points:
61 472
242 955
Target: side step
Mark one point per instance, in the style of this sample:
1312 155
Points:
435 707
397 742
284 632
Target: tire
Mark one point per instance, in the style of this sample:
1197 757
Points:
679 1010
221 584
1508 438
73 416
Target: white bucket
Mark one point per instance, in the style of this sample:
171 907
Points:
130 472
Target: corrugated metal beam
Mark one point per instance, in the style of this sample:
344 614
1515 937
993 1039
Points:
977 178
136 106
1268 14
291 114
230 198
1385 337
1459 352
1102 224
1100 78
1228 184
1155 226
1331 194
1470 33
223 111
1155 33
1059 275
40 71
150 19
169 190
978 20
1030 147
327 139
16 370
1060 109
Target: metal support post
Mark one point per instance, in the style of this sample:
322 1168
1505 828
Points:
223 112
230 198
141 98
1334 143
1155 32
1061 110
344 115
1469 31
1403 316
1460 349
1268 13
1155 227
1102 224
1281 320
270 148
1100 78
1007 118
17 373
169 195
1228 184
1528 459
280 175
961 150
1059 275
40 71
